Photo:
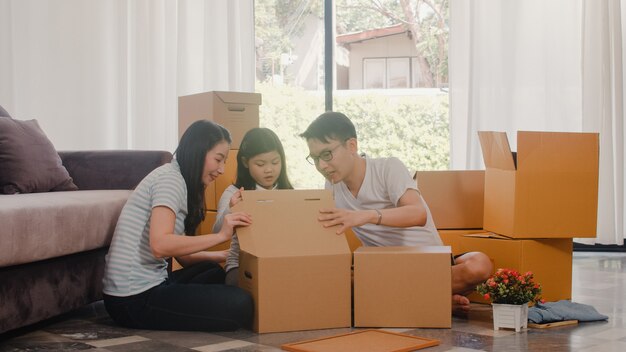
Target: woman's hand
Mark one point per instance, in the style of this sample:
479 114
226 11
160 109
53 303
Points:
231 221
236 198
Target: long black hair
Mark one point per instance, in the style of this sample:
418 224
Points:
200 137
258 141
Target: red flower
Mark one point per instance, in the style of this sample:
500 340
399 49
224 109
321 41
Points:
510 287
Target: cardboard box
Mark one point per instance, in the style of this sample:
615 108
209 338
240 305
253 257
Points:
213 192
402 287
237 111
552 191
353 241
297 271
455 198
550 260
451 237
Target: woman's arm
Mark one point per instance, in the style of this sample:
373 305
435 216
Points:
214 256
164 243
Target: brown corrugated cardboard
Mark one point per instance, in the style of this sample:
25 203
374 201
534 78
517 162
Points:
552 192
297 271
360 341
237 111
450 237
454 197
353 241
550 260
402 287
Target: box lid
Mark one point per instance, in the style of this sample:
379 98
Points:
496 150
488 235
239 97
284 223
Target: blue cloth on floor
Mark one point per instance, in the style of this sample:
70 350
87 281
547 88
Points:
550 312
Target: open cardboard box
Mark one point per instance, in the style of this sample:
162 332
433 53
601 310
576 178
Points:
549 259
297 271
552 190
237 111
452 237
402 287
454 197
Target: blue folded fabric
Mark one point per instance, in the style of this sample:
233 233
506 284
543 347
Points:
550 312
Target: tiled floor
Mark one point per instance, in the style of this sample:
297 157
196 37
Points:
599 279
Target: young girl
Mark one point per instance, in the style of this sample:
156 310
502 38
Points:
260 165
138 292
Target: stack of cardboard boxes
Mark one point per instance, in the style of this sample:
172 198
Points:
238 112
299 272
535 201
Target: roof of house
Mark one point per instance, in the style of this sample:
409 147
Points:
371 34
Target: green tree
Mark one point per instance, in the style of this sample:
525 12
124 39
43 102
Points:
414 129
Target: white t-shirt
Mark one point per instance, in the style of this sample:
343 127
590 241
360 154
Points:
131 268
386 180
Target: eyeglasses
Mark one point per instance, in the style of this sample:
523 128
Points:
326 155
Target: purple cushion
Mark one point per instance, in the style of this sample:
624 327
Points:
28 161
3 113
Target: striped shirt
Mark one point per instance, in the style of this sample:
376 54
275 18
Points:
130 266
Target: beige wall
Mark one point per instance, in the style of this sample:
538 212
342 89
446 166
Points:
397 45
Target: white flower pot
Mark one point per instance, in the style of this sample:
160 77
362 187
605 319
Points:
510 316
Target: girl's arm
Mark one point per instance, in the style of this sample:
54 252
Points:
224 205
214 256
164 243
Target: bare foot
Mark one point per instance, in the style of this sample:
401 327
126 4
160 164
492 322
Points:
460 304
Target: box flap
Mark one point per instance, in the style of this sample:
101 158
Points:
558 151
284 223
496 150
488 235
239 97
404 249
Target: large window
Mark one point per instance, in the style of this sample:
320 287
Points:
386 80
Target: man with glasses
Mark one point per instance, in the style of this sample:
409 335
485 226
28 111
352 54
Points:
379 200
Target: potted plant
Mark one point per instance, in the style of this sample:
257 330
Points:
510 292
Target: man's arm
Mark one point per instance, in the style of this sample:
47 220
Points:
409 212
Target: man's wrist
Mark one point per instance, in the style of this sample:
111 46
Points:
379 216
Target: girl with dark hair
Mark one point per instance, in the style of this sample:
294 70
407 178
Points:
260 165
169 202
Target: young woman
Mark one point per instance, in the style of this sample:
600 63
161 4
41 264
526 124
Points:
138 292
260 165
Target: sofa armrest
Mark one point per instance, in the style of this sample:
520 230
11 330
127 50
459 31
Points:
111 169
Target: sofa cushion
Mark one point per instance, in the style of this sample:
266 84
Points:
47 225
3 113
28 161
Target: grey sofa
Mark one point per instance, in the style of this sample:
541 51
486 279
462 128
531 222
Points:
52 244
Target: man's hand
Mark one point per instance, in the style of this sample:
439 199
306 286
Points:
345 218
231 221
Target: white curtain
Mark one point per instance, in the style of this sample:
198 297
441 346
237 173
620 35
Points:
107 74
541 65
